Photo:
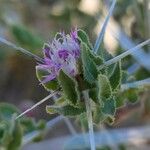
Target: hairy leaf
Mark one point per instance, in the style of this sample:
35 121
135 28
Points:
104 87
104 54
60 101
89 67
109 107
125 76
110 69
67 110
120 100
50 85
98 115
97 59
83 38
93 94
115 78
69 87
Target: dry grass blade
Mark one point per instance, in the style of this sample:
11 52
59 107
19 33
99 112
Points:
102 32
37 104
4 41
121 56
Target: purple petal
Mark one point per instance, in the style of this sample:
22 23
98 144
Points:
47 50
63 54
74 34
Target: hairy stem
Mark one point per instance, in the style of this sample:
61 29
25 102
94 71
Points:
37 104
102 32
4 41
89 118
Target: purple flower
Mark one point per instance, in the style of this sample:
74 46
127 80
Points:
62 53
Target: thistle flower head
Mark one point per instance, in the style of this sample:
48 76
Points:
61 54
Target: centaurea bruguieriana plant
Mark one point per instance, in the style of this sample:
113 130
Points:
83 78
71 65
88 83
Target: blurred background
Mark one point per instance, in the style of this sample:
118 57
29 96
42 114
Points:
30 24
